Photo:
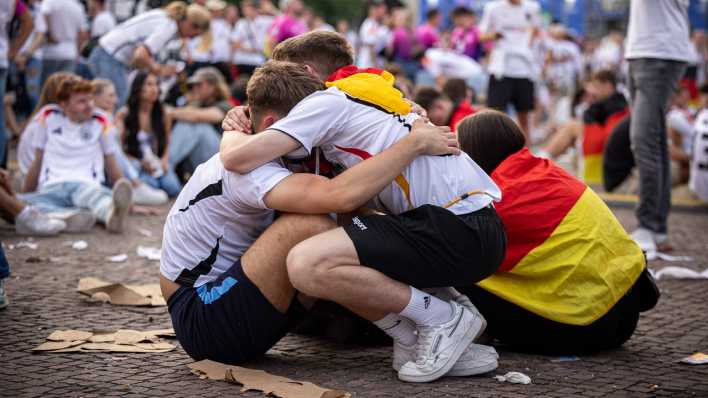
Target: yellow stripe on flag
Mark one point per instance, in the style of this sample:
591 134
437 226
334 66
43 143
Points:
592 169
580 271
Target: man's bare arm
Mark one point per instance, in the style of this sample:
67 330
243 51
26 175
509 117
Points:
112 168
312 194
33 172
241 153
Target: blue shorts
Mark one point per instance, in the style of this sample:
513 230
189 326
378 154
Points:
229 320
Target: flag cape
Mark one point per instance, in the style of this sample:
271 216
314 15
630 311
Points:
373 86
568 258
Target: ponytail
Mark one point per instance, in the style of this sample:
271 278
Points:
177 10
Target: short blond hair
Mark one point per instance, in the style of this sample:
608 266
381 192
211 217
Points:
324 51
278 86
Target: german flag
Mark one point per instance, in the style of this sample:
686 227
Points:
568 258
372 86
598 122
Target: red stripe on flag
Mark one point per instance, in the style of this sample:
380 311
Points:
355 151
595 135
536 197
350 70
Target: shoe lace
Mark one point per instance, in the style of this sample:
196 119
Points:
426 335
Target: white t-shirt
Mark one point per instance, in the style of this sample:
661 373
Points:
73 152
251 35
152 29
349 132
512 55
63 21
565 69
102 23
373 37
608 55
25 148
680 120
7 10
699 164
658 29
215 219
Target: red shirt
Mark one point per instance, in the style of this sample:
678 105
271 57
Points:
463 110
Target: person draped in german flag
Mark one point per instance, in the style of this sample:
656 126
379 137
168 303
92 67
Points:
572 280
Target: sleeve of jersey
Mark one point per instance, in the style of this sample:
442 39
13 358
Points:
160 36
250 189
313 120
39 140
109 141
486 24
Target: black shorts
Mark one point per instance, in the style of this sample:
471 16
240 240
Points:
510 90
430 246
229 320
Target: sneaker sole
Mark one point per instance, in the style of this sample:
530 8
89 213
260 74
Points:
458 371
472 333
122 198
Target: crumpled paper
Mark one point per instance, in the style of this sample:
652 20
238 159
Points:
122 294
656 255
151 253
514 378
119 341
679 273
259 380
698 358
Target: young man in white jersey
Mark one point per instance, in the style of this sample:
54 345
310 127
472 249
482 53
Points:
442 229
74 149
223 269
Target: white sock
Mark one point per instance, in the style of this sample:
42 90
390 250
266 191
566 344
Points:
426 309
399 328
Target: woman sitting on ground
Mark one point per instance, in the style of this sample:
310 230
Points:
197 131
146 134
572 281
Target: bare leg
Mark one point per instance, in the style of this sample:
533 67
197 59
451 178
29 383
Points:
524 124
264 261
564 138
327 266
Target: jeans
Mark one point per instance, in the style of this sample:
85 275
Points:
195 142
68 195
168 181
33 80
3 133
104 66
652 83
4 265
51 66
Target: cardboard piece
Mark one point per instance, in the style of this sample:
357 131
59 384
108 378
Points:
259 380
698 358
121 341
121 294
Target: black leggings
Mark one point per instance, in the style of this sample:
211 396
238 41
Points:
528 332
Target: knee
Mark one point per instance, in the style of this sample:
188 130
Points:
305 269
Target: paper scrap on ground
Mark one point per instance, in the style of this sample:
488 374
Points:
80 245
122 294
118 258
679 273
145 232
654 255
28 244
119 341
259 380
151 253
698 358
514 378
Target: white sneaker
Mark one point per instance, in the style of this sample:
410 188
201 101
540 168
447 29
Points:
145 195
477 359
122 199
452 294
440 346
77 221
31 221
645 239
4 301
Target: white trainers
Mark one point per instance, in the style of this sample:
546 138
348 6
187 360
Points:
122 199
475 360
440 346
451 294
31 221
77 221
645 239
145 195
4 301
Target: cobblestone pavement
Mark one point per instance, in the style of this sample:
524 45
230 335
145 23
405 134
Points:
43 299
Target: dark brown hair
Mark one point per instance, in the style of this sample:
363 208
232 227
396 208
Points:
605 76
425 96
455 89
324 51
278 86
489 137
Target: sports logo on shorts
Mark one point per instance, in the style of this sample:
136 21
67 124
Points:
356 221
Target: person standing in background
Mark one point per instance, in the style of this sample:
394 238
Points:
373 36
465 37
658 48
288 24
10 9
513 25
103 21
248 39
428 34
